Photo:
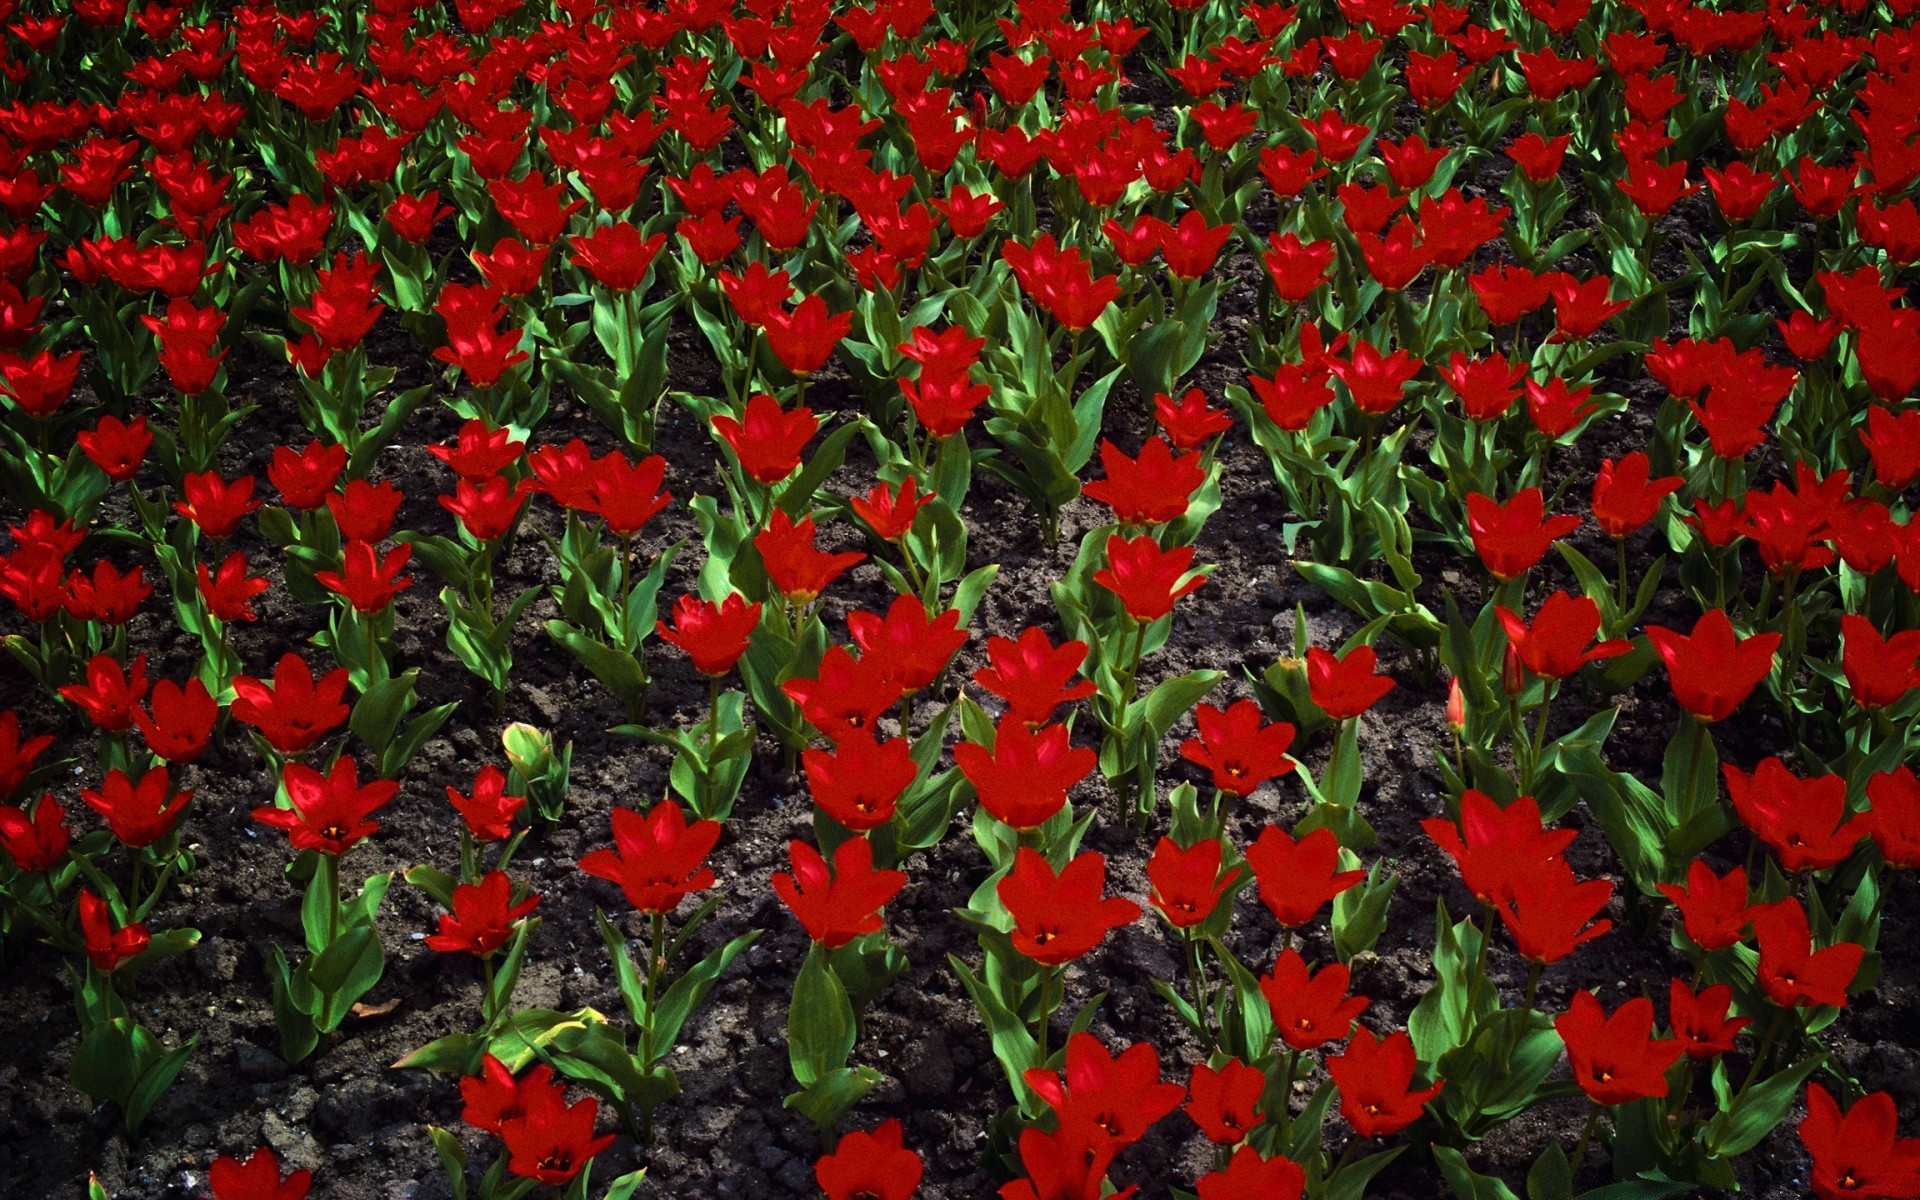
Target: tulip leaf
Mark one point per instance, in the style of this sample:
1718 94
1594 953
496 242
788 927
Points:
1465 1183
684 995
820 1022
1752 1115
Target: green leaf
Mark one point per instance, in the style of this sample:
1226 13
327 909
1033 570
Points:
1352 1180
1551 1177
1465 1182
827 1099
1740 1128
820 1025
680 1000
153 1082
453 1160
456 1053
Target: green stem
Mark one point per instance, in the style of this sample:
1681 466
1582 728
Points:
1620 554
1586 1135
1760 1056
1286 1098
1048 976
329 868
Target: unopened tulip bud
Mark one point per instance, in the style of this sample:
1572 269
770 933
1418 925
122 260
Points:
1512 678
1456 707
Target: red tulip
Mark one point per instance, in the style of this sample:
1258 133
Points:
1033 675
1188 884
1225 1103
1556 645
658 857
1700 1022
1858 1153
797 569
328 813
1297 878
1375 1078
107 947
1616 1058
840 905
1147 579
258 1178
1310 1008
1149 490
1248 1176
1511 537
483 917
769 440
1713 909
1059 917
1122 1094
1792 972
870 1166
1024 780
138 814
858 782
714 636
1345 687
1713 671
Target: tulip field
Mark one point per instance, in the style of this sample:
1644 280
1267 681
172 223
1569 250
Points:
1040 599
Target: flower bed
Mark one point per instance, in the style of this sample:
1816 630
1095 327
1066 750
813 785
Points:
1169 599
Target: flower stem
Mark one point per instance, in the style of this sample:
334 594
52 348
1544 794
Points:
1586 1135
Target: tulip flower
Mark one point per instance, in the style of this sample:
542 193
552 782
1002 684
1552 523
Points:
1310 1008
846 695
1249 1175
1147 579
1804 821
294 711
1859 1152
1121 1093
870 1166
257 1178
713 635
107 947
1024 780
1345 687
1375 1078
1557 644
1700 1022
1712 671
1615 1057
840 905
1033 676
1512 537
1225 1103
1149 490
1240 749
483 917
858 782
36 842
658 859
1713 909
110 696
911 646
797 569
1058 917
768 441
1792 972
1188 884
328 813
139 814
